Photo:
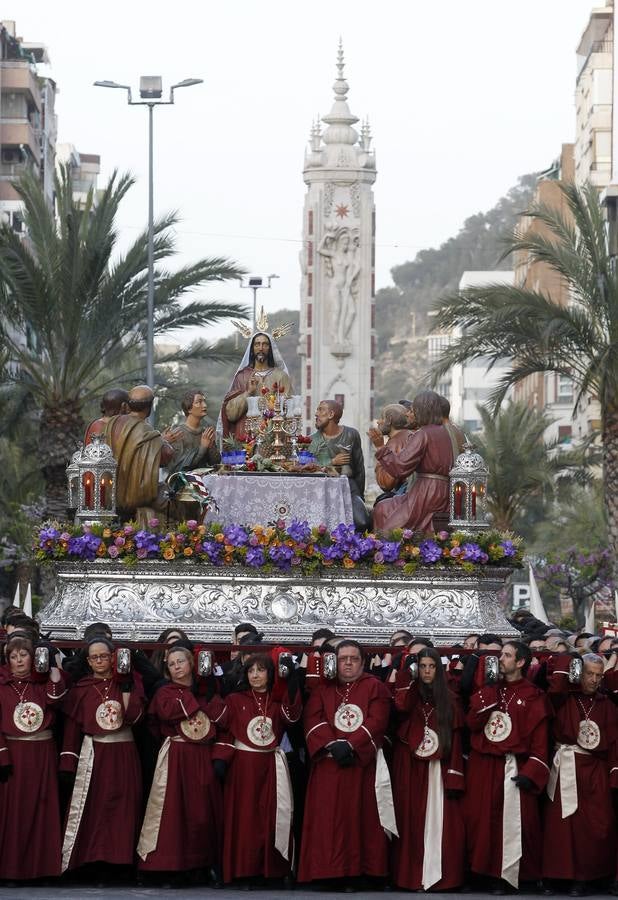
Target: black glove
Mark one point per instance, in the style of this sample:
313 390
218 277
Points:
523 782
5 773
409 660
220 768
342 753
396 661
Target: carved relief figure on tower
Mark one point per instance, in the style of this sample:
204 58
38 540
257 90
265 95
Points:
340 247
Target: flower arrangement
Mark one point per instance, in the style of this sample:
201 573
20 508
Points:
279 547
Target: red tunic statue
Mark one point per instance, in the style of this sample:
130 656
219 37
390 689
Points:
103 819
509 737
422 774
579 840
343 831
184 817
257 796
30 833
429 453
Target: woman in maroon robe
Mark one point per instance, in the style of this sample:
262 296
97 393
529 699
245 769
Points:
428 780
30 838
429 453
257 841
103 818
184 817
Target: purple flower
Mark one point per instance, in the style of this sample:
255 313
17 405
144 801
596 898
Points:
48 534
335 551
192 524
281 556
254 540
430 551
471 552
299 531
128 529
120 541
322 529
407 534
378 557
146 540
142 553
508 548
113 551
443 535
455 552
390 551
235 535
213 551
84 547
255 557
65 536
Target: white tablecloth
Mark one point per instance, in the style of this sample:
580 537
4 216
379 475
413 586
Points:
260 499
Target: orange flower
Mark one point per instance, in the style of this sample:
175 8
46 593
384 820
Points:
168 553
415 551
348 563
107 532
188 551
219 538
102 549
309 550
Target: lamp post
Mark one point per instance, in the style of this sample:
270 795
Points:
255 282
151 90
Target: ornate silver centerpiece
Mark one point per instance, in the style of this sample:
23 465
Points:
139 602
468 491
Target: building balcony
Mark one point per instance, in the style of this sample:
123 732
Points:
606 47
17 77
16 134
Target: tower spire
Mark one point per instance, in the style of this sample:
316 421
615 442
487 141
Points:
340 119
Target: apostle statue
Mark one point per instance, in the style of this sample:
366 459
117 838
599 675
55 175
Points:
195 447
139 450
261 367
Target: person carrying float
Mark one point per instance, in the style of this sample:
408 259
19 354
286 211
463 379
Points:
507 770
428 778
579 833
258 800
349 805
100 757
30 836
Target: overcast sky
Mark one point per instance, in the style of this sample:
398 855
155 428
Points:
462 98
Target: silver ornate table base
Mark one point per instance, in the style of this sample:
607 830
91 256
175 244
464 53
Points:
140 602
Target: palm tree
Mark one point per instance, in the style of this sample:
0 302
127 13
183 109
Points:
521 469
539 335
73 308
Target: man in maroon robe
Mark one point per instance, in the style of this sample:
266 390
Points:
429 453
579 835
507 769
349 804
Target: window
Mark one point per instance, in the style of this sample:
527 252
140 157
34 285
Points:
564 389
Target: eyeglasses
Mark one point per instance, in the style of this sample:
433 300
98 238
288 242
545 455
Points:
100 657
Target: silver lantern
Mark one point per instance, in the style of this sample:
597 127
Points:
95 468
468 492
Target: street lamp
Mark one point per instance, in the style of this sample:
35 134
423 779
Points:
151 90
255 282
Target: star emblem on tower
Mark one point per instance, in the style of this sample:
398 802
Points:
342 210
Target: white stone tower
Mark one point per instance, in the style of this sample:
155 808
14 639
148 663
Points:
337 325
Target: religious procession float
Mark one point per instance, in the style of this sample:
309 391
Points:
267 535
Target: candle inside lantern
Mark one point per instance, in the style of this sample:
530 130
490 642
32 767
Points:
458 500
88 490
103 492
473 501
